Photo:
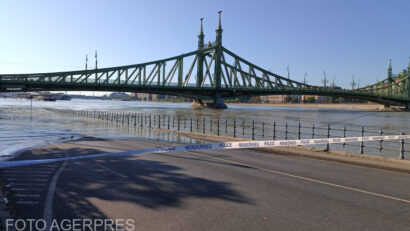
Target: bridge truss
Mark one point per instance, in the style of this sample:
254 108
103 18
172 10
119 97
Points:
209 73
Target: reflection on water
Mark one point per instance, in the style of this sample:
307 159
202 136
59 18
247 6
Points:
22 128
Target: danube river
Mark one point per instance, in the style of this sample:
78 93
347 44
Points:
24 126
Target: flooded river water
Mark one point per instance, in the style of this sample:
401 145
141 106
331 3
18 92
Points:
23 126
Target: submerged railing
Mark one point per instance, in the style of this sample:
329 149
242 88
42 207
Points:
249 129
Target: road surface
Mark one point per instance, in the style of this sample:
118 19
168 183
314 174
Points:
207 190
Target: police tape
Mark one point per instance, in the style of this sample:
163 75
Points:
212 146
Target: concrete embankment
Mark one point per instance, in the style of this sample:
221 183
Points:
365 107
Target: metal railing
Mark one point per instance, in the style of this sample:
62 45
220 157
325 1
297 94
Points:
250 129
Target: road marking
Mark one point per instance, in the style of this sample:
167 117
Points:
111 171
27 171
27 195
299 177
27 202
25 179
35 169
32 184
48 207
306 178
26 189
25 176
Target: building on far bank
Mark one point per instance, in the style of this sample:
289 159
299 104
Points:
272 98
280 99
145 96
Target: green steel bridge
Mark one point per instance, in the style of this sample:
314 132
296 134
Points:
210 73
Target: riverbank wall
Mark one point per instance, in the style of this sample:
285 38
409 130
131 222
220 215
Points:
365 107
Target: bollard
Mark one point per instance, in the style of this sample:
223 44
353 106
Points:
274 130
135 119
286 131
203 126
184 123
328 136
178 122
197 124
313 131
381 141
253 129
159 121
150 121
362 143
234 127
211 124
299 131
344 134
218 127
401 157
190 129
226 126
173 122
243 128
168 122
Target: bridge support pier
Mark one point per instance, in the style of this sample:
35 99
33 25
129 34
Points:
407 107
386 106
217 104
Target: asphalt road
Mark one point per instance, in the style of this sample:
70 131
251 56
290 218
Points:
210 190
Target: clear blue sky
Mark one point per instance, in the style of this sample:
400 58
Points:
340 37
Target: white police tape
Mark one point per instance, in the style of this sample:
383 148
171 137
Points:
212 146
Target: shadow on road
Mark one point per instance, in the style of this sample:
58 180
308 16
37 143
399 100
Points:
147 183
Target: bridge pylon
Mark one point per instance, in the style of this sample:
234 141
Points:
200 63
408 82
218 101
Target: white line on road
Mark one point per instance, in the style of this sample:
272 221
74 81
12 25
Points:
26 189
27 195
25 179
27 171
48 207
31 184
27 176
306 178
28 202
112 171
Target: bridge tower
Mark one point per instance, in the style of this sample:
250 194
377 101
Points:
408 84
389 79
200 63
218 100
218 44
